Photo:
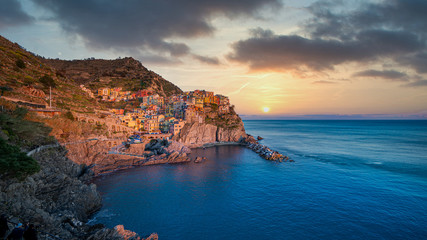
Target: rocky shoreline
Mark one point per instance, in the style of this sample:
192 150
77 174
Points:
59 200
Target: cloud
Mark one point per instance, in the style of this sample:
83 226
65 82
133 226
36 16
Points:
287 52
390 14
417 61
144 24
207 60
393 30
323 82
238 90
12 14
417 83
387 74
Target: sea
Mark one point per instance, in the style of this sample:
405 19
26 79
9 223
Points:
364 179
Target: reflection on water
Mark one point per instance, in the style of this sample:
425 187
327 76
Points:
347 183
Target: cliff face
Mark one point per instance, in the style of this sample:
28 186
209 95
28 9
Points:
56 198
230 134
216 127
51 191
199 134
106 156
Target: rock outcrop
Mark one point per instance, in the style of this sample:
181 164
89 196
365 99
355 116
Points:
129 235
230 134
198 134
108 156
57 198
200 159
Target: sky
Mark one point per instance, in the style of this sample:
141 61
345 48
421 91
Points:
273 58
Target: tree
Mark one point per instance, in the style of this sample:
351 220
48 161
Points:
47 81
19 63
69 115
4 88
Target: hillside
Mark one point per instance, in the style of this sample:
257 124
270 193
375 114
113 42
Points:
46 188
126 72
27 77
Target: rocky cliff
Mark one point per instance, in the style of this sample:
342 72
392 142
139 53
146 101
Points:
56 199
106 156
45 187
198 134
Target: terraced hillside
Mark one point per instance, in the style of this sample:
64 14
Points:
126 72
28 77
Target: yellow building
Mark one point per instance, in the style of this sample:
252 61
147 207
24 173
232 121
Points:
151 125
199 103
177 126
104 92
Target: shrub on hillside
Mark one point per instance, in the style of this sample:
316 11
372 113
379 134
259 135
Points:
69 115
4 89
19 63
47 81
15 163
20 112
23 133
28 81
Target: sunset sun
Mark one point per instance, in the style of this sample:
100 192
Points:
266 109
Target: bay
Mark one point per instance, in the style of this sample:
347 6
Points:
350 180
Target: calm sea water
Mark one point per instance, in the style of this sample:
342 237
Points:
350 180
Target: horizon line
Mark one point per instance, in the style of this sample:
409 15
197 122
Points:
419 116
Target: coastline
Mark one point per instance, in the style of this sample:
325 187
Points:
214 144
272 182
123 161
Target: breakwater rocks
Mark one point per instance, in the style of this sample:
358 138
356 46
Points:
262 150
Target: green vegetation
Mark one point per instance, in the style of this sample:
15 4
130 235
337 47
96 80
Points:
4 88
223 121
16 134
19 63
143 84
47 81
169 88
22 133
69 115
15 163
28 80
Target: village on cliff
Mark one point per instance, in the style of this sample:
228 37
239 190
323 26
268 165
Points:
162 117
